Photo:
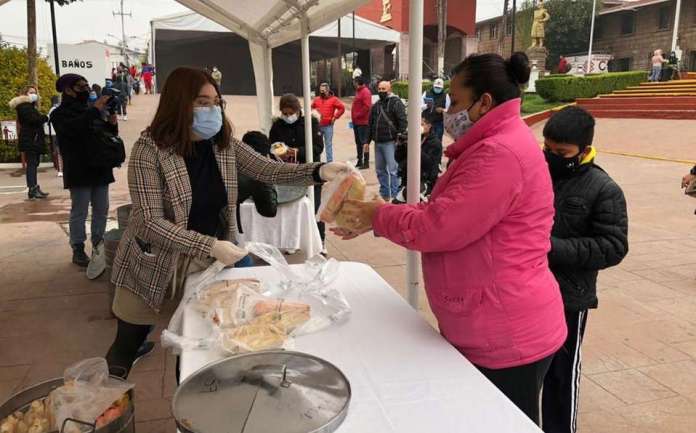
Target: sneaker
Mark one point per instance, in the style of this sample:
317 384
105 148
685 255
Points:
79 257
125 117
145 349
60 174
97 265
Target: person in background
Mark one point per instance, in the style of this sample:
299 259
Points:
436 102
657 61
563 65
263 194
484 233
147 75
330 109
182 176
290 129
387 121
53 139
74 121
590 233
30 136
217 76
360 118
121 84
431 155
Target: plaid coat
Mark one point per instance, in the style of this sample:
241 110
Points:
161 193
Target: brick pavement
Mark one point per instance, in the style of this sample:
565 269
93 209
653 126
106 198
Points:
640 349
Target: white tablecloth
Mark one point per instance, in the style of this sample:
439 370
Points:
293 228
404 376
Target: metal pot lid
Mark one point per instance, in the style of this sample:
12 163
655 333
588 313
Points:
289 193
261 392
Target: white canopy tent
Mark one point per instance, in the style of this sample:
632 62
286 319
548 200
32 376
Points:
270 23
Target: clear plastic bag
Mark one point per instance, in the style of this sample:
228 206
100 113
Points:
87 393
348 185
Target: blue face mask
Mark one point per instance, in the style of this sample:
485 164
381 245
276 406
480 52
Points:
92 96
207 121
437 90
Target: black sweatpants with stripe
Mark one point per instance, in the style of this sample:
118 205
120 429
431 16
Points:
562 383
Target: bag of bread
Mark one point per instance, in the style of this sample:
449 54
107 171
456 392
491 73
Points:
349 186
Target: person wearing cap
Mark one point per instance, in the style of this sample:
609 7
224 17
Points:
435 102
74 121
330 109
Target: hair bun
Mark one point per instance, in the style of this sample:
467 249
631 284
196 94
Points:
518 67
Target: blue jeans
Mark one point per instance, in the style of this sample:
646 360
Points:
387 169
439 129
656 72
327 132
81 198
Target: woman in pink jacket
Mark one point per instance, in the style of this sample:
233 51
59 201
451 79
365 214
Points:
485 233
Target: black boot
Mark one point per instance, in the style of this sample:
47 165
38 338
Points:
366 160
79 257
39 193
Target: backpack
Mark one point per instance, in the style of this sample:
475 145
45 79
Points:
107 149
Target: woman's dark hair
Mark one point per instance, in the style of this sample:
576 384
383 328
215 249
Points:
258 141
173 120
571 125
360 80
490 73
290 101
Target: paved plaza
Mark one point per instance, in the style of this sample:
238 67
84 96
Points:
639 369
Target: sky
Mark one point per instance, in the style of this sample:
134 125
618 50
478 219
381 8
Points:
93 19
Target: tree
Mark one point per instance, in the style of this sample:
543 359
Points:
32 76
503 31
568 31
13 65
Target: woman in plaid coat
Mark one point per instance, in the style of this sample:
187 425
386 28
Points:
182 176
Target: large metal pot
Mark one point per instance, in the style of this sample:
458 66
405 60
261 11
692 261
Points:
263 392
22 400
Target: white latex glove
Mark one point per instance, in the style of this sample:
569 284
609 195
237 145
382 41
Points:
227 252
331 170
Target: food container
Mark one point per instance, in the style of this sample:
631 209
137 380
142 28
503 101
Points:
22 400
263 392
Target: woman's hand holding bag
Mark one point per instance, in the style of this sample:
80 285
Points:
227 252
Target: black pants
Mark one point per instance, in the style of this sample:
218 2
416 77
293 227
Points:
562 384
123 108
32 168
522 384
122 354
360 133
317 201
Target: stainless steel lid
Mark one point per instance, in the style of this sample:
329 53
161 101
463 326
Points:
270 391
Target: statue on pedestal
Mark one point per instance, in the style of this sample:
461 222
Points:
541 17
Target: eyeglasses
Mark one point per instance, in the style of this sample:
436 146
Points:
217 102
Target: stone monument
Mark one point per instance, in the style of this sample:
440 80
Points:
537 52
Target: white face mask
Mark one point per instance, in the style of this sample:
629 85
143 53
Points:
33 97
457 124
290 119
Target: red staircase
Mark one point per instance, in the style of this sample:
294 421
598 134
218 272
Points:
665 100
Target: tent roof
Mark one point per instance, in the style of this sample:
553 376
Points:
272 22
364 29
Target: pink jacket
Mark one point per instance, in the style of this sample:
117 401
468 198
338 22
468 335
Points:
484 236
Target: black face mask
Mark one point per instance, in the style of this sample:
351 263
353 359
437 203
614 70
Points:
382 95
560 166
82 96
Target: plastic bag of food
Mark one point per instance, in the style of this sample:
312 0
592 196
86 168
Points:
310 283
350 185
88 392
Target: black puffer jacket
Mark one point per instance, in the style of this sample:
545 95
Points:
387 120
293 136
590 233
31 132
431 155
74 123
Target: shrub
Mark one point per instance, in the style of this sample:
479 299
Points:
400 88
13 79
569 88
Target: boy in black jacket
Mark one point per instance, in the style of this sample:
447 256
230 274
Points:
431 155
590 233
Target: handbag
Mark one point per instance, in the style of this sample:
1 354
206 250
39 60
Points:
107 150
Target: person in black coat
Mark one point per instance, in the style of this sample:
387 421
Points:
264 195
75 123
431 156
30 124
590 233
290 129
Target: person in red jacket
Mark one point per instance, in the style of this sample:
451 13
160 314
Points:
330 108
360 116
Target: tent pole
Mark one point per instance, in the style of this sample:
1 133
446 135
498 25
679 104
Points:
415 78
340 62
307 97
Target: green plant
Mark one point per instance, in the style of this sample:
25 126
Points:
570 88
400 88
13 79
533 103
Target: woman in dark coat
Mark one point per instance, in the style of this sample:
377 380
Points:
31 136
290 129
